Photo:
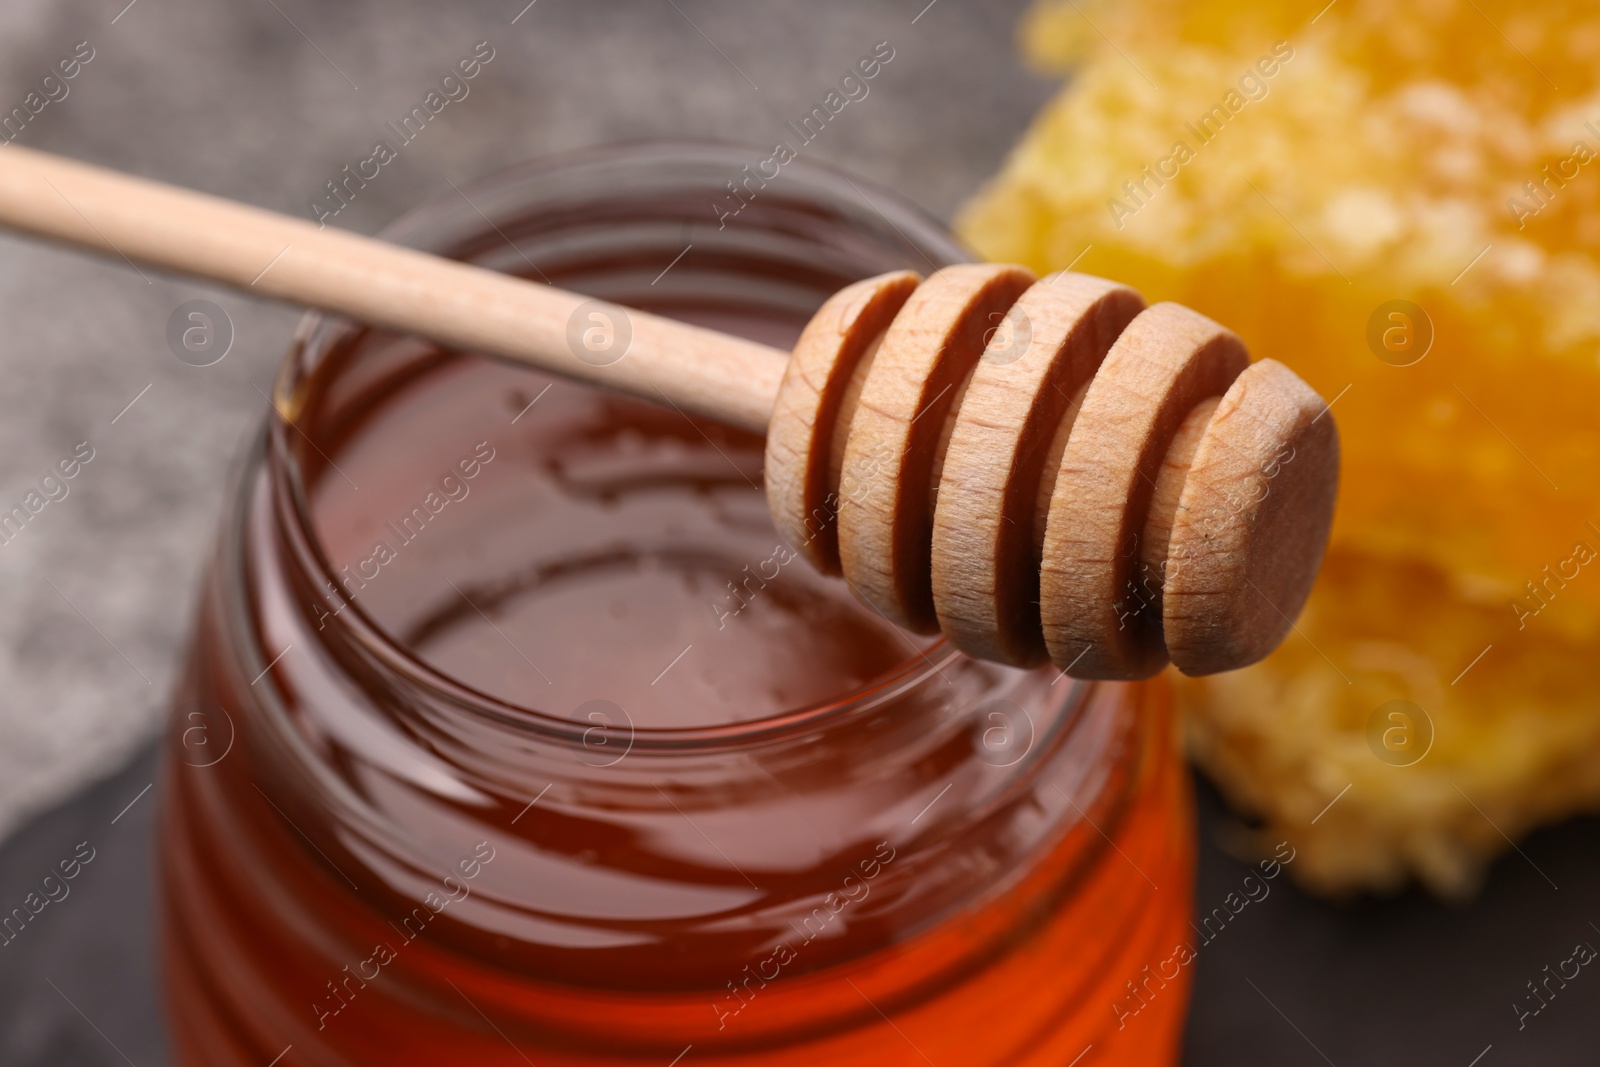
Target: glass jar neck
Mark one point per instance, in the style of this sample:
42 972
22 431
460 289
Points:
689 851
599 223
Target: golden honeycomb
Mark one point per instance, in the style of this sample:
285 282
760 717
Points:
1401 202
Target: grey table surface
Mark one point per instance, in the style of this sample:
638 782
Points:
264 101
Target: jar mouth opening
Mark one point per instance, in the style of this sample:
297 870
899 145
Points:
317 333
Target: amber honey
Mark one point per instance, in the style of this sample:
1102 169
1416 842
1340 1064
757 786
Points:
542 748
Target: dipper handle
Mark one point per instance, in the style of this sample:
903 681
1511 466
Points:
371 281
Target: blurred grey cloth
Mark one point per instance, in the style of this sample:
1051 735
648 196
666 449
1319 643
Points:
266 101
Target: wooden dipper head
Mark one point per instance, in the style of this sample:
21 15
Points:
1051 470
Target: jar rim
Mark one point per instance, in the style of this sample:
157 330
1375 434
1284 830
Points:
316 330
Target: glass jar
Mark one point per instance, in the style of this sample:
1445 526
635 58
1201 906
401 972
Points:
443 788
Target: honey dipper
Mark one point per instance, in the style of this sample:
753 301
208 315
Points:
1044 469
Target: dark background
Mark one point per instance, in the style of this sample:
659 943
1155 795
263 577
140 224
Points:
264 101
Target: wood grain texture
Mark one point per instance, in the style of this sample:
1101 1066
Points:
1251 523
802 469
989 520
917 377
1155 564
1095 619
